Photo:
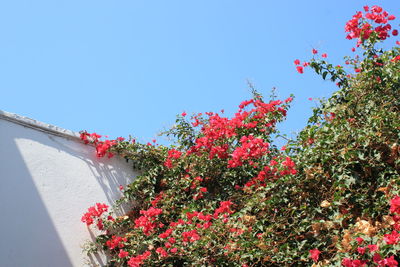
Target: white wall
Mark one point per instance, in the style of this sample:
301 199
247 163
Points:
48 180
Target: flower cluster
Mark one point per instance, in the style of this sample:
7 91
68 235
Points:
359 29
219 131
93 213
116 242
172 154
102 147
251 148
138 260
147 220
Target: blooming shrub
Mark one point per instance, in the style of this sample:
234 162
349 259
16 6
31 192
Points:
225 195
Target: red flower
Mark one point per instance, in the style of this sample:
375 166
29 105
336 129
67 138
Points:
95 136
162 252
183 114
395 59
324 55
395 205
353 263
392 238
314 254
100 225
376 9
300 69
372 247
203 189
297 62
122 253
289 99
314 51
395 32
190 236
146 222
166 234
138 260
93 212
116 241
361 250
391 262
353 49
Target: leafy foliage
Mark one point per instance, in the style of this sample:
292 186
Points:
224 195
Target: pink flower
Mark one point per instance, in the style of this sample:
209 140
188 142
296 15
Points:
166 234
183 114
324 55
391 262
93 212
122 253
359 240
203 189
353 263
162 252
376 9
300 69
392 238
314 254
138 260
297 62
190 236
289 99
378 259
395 59
395 205
361 250
372 247
100 225
116 242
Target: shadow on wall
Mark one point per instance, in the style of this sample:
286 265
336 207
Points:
28 236
110 173
38 230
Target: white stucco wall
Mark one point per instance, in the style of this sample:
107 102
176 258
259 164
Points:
48 180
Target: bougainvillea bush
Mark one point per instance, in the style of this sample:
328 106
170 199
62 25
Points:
225 195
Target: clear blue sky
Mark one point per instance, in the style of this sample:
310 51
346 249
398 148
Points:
128 67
